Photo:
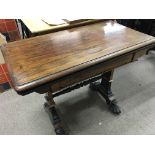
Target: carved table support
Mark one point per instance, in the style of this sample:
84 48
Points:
51 109
104 88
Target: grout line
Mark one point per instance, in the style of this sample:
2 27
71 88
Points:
2 69
12 30
6 76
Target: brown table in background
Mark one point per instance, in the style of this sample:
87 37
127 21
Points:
36 27
62 61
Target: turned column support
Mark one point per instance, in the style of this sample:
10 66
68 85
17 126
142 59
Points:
50 107
104 88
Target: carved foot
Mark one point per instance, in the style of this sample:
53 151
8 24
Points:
56 121
109 97
114 108
60 131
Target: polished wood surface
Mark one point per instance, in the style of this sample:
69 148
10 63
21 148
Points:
35 61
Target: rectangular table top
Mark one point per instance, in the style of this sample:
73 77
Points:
35 61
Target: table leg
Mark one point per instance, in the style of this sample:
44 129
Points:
26 33
104 88
51 109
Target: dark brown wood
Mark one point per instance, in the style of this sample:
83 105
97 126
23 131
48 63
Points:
84 74
36 61
55 118
104 88
90 72
76 86
60 62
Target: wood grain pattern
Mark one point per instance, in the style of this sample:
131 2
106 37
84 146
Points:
91 72
98 69
42 59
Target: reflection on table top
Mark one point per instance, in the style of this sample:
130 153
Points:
57 54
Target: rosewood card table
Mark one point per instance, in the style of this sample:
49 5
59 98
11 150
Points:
59 62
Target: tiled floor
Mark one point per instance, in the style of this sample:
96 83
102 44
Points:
5 81
9 29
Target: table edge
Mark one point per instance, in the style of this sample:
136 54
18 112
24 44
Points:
25 86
